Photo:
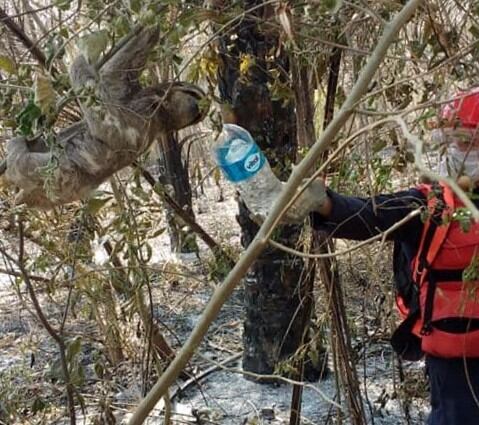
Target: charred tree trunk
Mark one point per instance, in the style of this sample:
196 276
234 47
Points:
173 174
274 287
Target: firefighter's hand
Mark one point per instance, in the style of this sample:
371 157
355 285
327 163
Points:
312 198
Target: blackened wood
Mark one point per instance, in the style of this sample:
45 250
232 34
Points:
273 329
173 175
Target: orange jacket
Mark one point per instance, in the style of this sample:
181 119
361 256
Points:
446 272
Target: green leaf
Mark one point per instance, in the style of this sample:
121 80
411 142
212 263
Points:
93 45
38 405
135 6
99 369
148 252
55 371
7 65
63 4
428 114
332 5
121 26
10 123
157 233
94 205
77 374
63 32
28 117
379 145
474 30
45 95
471 272
73 349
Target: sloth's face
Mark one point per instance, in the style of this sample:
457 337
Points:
180 105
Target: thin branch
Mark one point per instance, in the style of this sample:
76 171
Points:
27 42
31 276
15 86
363 7
20 263
33 11
272 377
380 236
418 144
260 241
187 218
196 378
460 53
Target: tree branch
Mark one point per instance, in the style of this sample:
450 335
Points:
190 221
19 274
261 240
27 42
56 336
380 236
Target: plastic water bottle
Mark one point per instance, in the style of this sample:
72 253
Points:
243 164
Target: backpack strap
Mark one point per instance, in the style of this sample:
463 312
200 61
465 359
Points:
404 340
433 237
429 244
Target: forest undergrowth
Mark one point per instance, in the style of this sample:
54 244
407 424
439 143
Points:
31 389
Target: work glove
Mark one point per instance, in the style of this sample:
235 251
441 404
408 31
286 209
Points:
311 199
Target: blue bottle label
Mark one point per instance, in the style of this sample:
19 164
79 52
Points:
245 167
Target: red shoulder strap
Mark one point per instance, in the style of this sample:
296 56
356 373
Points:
440 200
441 230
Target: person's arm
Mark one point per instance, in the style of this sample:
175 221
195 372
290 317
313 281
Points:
355 218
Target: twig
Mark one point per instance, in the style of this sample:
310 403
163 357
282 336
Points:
273 378
341 335
29 44
260 241
32 11
368 11
44 321
187 218
418 143
380 236
194 379
31 276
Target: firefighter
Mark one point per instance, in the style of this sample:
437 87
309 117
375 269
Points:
435 263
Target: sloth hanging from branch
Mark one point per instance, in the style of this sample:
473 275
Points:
122 122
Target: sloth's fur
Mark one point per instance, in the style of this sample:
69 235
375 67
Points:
122 123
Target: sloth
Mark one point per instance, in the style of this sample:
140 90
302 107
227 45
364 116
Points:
124 120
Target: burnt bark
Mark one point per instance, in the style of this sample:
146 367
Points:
173 174
274 286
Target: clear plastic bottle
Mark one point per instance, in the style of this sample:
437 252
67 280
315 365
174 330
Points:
243 164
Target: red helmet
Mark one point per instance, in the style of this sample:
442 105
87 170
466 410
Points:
463 111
